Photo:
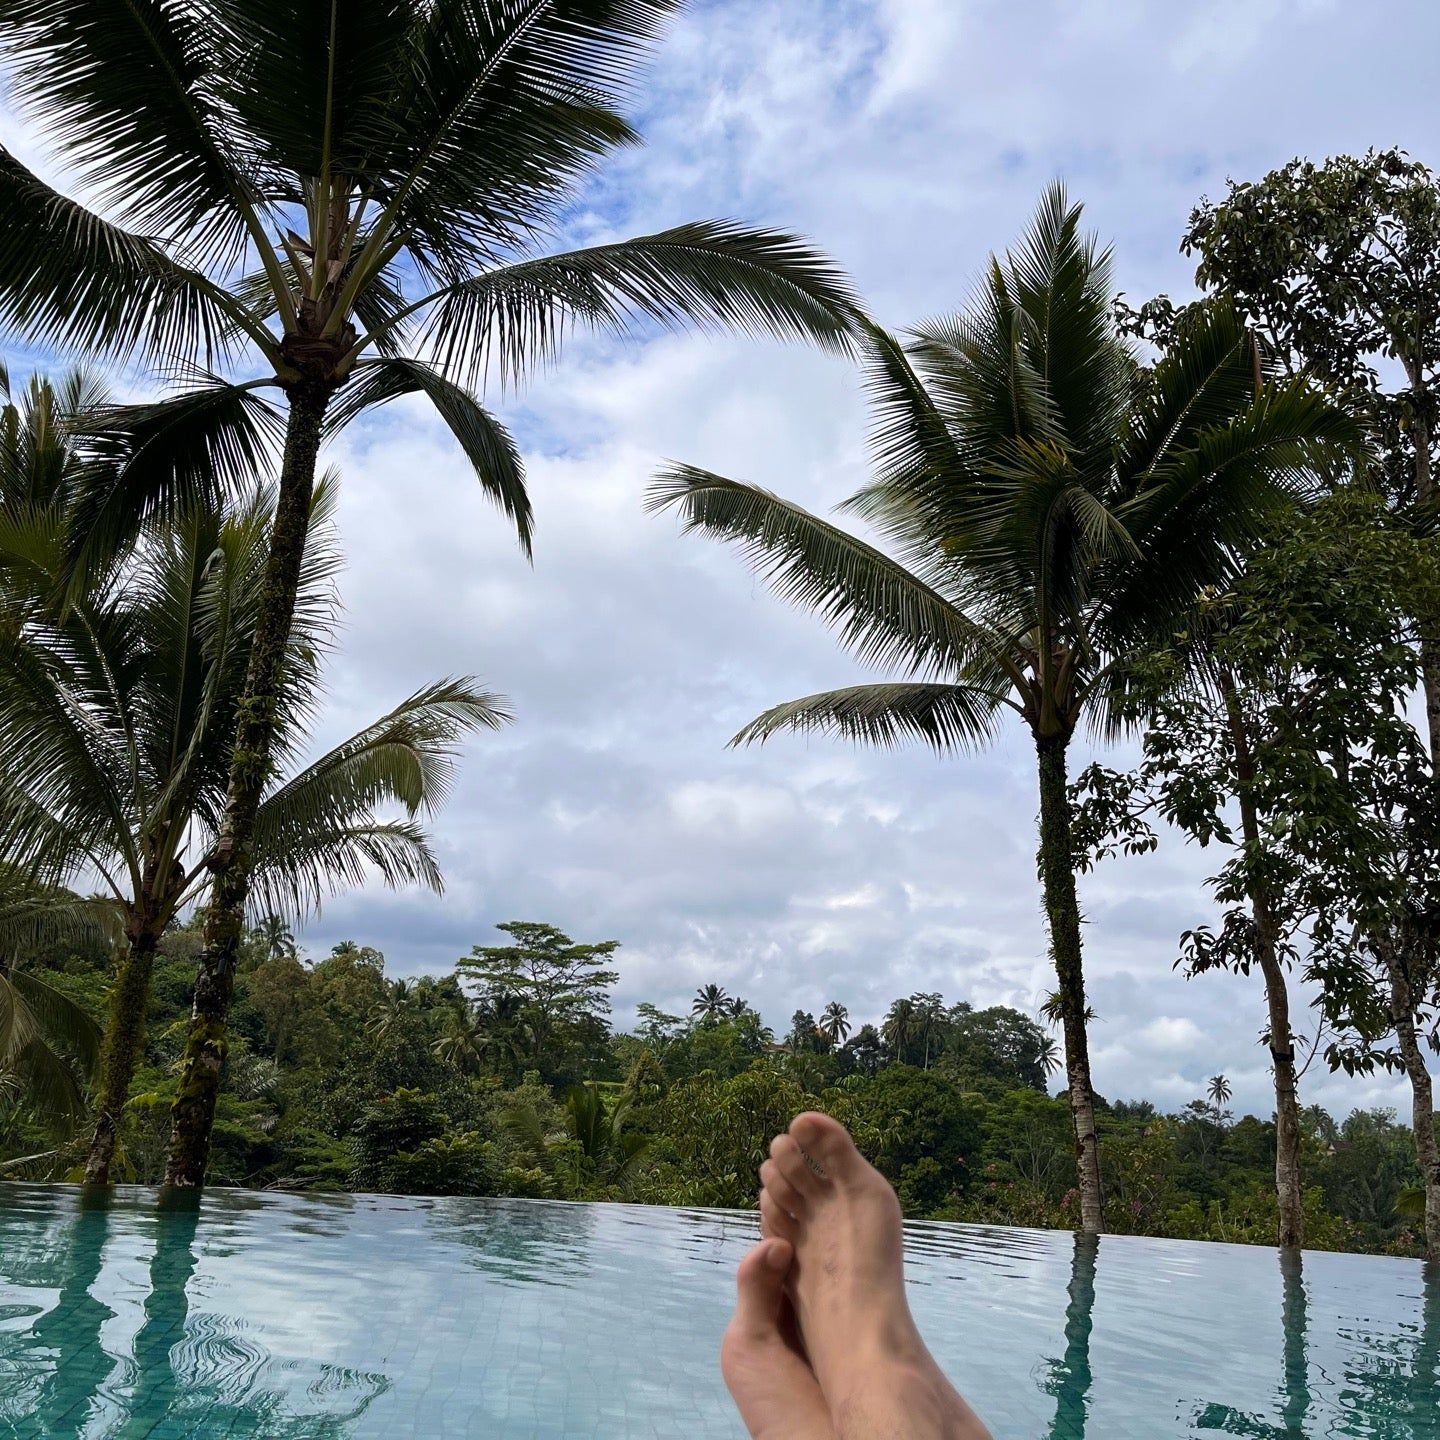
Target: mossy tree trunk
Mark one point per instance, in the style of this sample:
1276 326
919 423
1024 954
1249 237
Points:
233 862
1062 910
124 1042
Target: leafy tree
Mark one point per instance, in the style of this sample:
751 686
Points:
864 1052
558 983
1218 1091
1291 722
344 203
118 712
805 1036
405 1145
1338 264
1049 516
997 1046
712 1135
920 1132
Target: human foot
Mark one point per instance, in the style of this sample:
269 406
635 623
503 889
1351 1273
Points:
848 1285
767 1373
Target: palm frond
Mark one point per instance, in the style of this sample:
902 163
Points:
715 275
406 757
128 92
69 279
294 879
59 1018
152 461
486 443
948 718
884 614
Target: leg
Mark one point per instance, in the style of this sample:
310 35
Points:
764 1367
848 1287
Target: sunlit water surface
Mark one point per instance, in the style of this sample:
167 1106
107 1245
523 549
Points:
283 1316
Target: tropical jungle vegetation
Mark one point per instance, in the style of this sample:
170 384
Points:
1207 529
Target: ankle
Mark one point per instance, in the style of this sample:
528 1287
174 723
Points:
907 1398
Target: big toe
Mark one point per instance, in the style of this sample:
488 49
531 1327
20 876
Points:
827 1142
760 1289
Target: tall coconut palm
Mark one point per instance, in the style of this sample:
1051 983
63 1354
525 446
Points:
275 934
1219 1092
1048 511
116 718
900 1027
835 1022
711 1003
344 203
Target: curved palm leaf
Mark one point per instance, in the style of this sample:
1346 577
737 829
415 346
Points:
486 443
406 757
884 613
71 279
712 274
946 717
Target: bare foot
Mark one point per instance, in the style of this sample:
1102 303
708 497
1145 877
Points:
767 1372
848 1285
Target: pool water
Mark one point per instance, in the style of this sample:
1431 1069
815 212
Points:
341 1316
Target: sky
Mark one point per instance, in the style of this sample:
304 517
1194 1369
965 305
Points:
908 139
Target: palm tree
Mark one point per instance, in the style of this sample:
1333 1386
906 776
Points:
1219 1092
1049 1054
1050 512
835 1022
711 1004
343 204
275 934
116 717
39 1025
463 1041
900 1027
929 1009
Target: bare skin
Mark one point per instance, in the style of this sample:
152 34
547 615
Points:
837 1223
761 1357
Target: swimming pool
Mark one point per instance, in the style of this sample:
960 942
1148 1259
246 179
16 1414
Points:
353 1316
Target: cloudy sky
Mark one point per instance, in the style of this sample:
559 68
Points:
909 138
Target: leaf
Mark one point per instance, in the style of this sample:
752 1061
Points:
486 443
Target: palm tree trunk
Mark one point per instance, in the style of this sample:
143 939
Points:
1427 1152
193 1113
1062 909
1288 1190
124 1044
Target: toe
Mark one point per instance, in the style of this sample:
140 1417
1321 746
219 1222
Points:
775 1221
794 1166
827 1143
760 1289
780 1190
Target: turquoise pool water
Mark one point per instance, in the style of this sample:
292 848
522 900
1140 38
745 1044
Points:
343 1316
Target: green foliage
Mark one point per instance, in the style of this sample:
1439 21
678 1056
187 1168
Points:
560 987
405 1144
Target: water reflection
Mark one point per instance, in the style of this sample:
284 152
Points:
521 1242
1390 1385
1071 1378
201 1372
61 1355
